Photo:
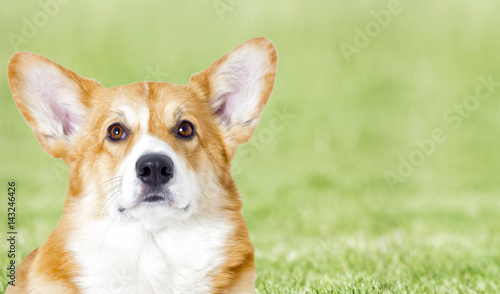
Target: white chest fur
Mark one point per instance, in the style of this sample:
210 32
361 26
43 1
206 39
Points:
125 258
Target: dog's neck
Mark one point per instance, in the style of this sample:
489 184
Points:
128 257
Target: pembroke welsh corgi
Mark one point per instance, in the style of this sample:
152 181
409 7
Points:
151 206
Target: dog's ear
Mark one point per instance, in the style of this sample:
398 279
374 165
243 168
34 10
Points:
238 86
52 99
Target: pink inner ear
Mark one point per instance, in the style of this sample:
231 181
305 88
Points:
230 102
67 120
222 111
54 102
228 106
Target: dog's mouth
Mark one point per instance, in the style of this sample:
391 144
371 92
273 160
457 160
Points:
155 201
151 199
161 199
154 198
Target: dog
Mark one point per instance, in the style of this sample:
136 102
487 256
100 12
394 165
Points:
151 206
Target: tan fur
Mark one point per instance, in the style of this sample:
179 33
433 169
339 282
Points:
91 158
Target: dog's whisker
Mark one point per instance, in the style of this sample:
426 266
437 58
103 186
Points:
104 238
116 182
109 198
102 185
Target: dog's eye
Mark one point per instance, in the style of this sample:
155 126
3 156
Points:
185 130
116 132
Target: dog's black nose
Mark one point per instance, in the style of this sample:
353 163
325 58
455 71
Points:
154 169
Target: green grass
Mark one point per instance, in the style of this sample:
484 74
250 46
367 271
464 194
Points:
321 214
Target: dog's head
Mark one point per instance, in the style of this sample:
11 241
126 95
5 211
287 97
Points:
147 150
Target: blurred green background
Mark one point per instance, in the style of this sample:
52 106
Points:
349 194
